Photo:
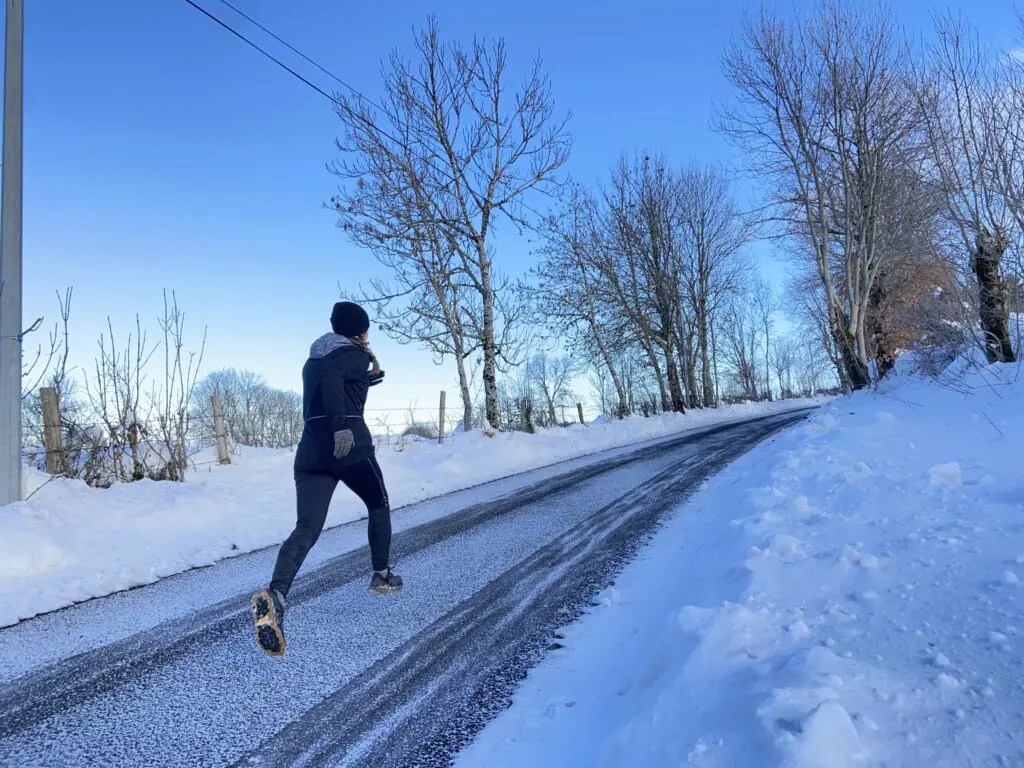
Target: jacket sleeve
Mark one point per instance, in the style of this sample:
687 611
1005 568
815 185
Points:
332 393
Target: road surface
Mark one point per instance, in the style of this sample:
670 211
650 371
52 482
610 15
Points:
169 675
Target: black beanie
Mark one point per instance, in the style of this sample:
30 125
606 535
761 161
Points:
349 319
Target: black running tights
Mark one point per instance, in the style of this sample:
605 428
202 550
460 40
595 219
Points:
313 493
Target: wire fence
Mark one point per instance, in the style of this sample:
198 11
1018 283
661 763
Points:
201 431
121 447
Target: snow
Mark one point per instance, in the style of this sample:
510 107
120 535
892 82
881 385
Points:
846 594
68 542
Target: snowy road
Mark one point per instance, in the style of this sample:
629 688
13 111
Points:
170 675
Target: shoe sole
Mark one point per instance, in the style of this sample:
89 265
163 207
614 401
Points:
269 637
384 591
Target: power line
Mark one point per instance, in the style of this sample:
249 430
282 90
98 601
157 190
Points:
296 51
277 61
369 123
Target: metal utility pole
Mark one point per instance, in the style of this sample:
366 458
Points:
10 259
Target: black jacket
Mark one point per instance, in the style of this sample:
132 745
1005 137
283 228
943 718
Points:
335 381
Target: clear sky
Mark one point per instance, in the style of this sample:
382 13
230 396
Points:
161 152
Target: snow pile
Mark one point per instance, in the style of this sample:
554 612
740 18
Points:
69 542
847 594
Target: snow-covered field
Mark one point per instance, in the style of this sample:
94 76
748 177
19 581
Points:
847 594
68 542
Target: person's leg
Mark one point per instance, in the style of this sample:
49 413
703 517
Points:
366 481
313 492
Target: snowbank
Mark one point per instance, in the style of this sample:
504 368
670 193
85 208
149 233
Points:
69 542
847 594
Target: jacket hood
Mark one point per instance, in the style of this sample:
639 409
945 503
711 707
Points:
328 343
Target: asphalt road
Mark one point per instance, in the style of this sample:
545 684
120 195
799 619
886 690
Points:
405 680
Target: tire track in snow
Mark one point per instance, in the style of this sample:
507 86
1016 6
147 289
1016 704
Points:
429 697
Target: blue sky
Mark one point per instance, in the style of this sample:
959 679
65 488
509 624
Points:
161 152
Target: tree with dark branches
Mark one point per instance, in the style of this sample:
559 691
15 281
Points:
826 116
714 235
450 152
567 296
966 98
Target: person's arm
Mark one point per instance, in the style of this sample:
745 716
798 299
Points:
332 393
376 374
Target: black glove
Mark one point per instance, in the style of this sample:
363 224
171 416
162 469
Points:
343 442
376 378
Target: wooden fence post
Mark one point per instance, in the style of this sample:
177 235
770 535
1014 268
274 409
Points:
222 434
440 422
51 430
579 407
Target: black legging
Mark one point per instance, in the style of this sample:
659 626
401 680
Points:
313 492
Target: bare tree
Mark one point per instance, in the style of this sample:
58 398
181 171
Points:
784 361
450 152
1010 131
116 394
765 304
608 399
813 367
741 344
552 378
34 372
910 231
517 398
50 365
645 268
966 115
425 302
714 235
52 370
641 268
511 333
255 413
809 309
826 117
171 396
568 296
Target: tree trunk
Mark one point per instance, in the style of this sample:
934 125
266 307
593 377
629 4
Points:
683 375
993 298
884 351
856 374
674 387
714 359
467 398
453 322
606 357
622 409
707 383
551 408
859 332
526 408
682 352
652 358
490 353
138 469
692 387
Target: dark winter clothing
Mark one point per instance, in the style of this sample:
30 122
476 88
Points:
348 319
313 492
336 446
335 381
